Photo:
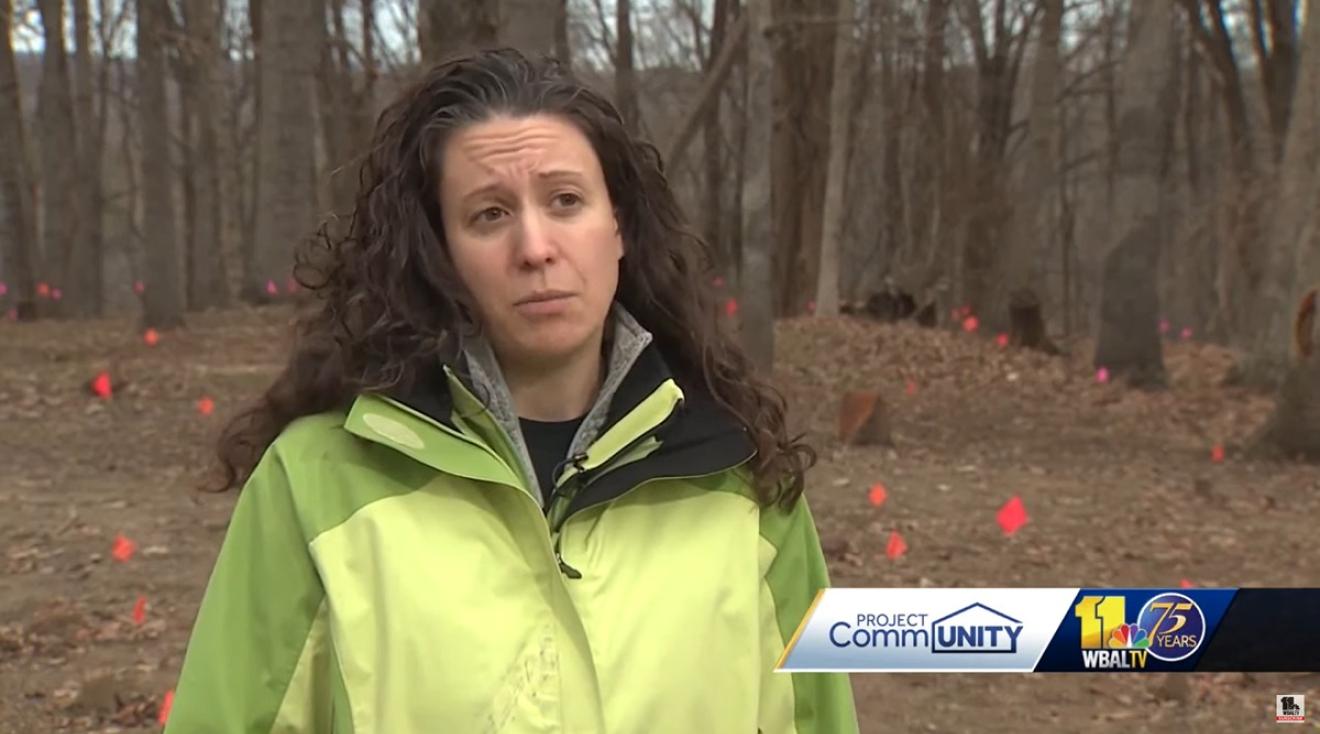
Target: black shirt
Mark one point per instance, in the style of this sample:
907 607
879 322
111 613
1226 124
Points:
548 444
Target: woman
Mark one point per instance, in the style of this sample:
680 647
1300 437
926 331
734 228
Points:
515 477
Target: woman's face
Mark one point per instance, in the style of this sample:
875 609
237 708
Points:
532 232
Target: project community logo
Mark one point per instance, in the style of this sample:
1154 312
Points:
976 628
1168 627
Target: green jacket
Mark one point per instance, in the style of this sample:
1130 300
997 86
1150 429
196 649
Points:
391 570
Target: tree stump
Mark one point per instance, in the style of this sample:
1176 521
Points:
1293 430
1026 325
864 420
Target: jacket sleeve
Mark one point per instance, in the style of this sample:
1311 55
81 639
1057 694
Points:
257 660
793 570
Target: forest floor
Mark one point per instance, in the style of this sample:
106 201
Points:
1119 485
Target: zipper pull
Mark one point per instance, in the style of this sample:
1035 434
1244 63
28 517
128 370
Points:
564 568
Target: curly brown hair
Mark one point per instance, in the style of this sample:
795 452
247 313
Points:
392 306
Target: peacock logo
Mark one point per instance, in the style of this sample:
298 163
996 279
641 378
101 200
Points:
1128 637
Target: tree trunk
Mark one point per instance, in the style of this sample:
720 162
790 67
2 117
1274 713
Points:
998 56
1296 215
756 279
1293 429
87 266
286 158
163 304
713 148
448 27
563 52
1032 225
336 104
625 79
18 217
1129 341
531 26
833 224
209 282
804 63
61 221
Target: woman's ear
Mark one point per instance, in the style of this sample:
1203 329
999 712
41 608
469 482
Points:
618 236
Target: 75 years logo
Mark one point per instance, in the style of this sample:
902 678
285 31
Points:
1169 627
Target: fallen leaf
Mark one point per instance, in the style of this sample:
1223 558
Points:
877 495
140 610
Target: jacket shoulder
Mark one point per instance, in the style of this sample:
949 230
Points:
331 474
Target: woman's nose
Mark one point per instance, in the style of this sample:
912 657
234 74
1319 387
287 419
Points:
535 243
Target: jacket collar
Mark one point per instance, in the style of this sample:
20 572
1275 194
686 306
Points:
642 426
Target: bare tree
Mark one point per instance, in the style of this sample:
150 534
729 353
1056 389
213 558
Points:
758 225
998 47
625 78
804 63
61 221
532 26
163 303
448 27
1295 226
207 278
1024 251
285 187
18 216
827 286
87 271
1129 340
563 52
713 141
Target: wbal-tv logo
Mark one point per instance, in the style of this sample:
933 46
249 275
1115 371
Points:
1290 708
1169 627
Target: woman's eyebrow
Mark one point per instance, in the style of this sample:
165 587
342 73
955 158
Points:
490 188
560 174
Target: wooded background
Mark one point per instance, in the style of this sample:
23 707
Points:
1133 167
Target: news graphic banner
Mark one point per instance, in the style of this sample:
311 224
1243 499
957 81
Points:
1058 630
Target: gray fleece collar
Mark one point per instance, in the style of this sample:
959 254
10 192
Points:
628 340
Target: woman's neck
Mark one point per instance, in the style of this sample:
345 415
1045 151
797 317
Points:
556 391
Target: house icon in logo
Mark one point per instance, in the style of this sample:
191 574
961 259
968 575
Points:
975 628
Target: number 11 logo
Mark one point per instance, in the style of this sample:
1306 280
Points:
1103 626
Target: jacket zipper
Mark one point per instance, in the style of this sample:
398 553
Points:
583 477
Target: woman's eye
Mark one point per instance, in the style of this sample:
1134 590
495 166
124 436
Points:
567 199
488 215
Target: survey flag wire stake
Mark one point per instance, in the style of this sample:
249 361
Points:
1057 630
